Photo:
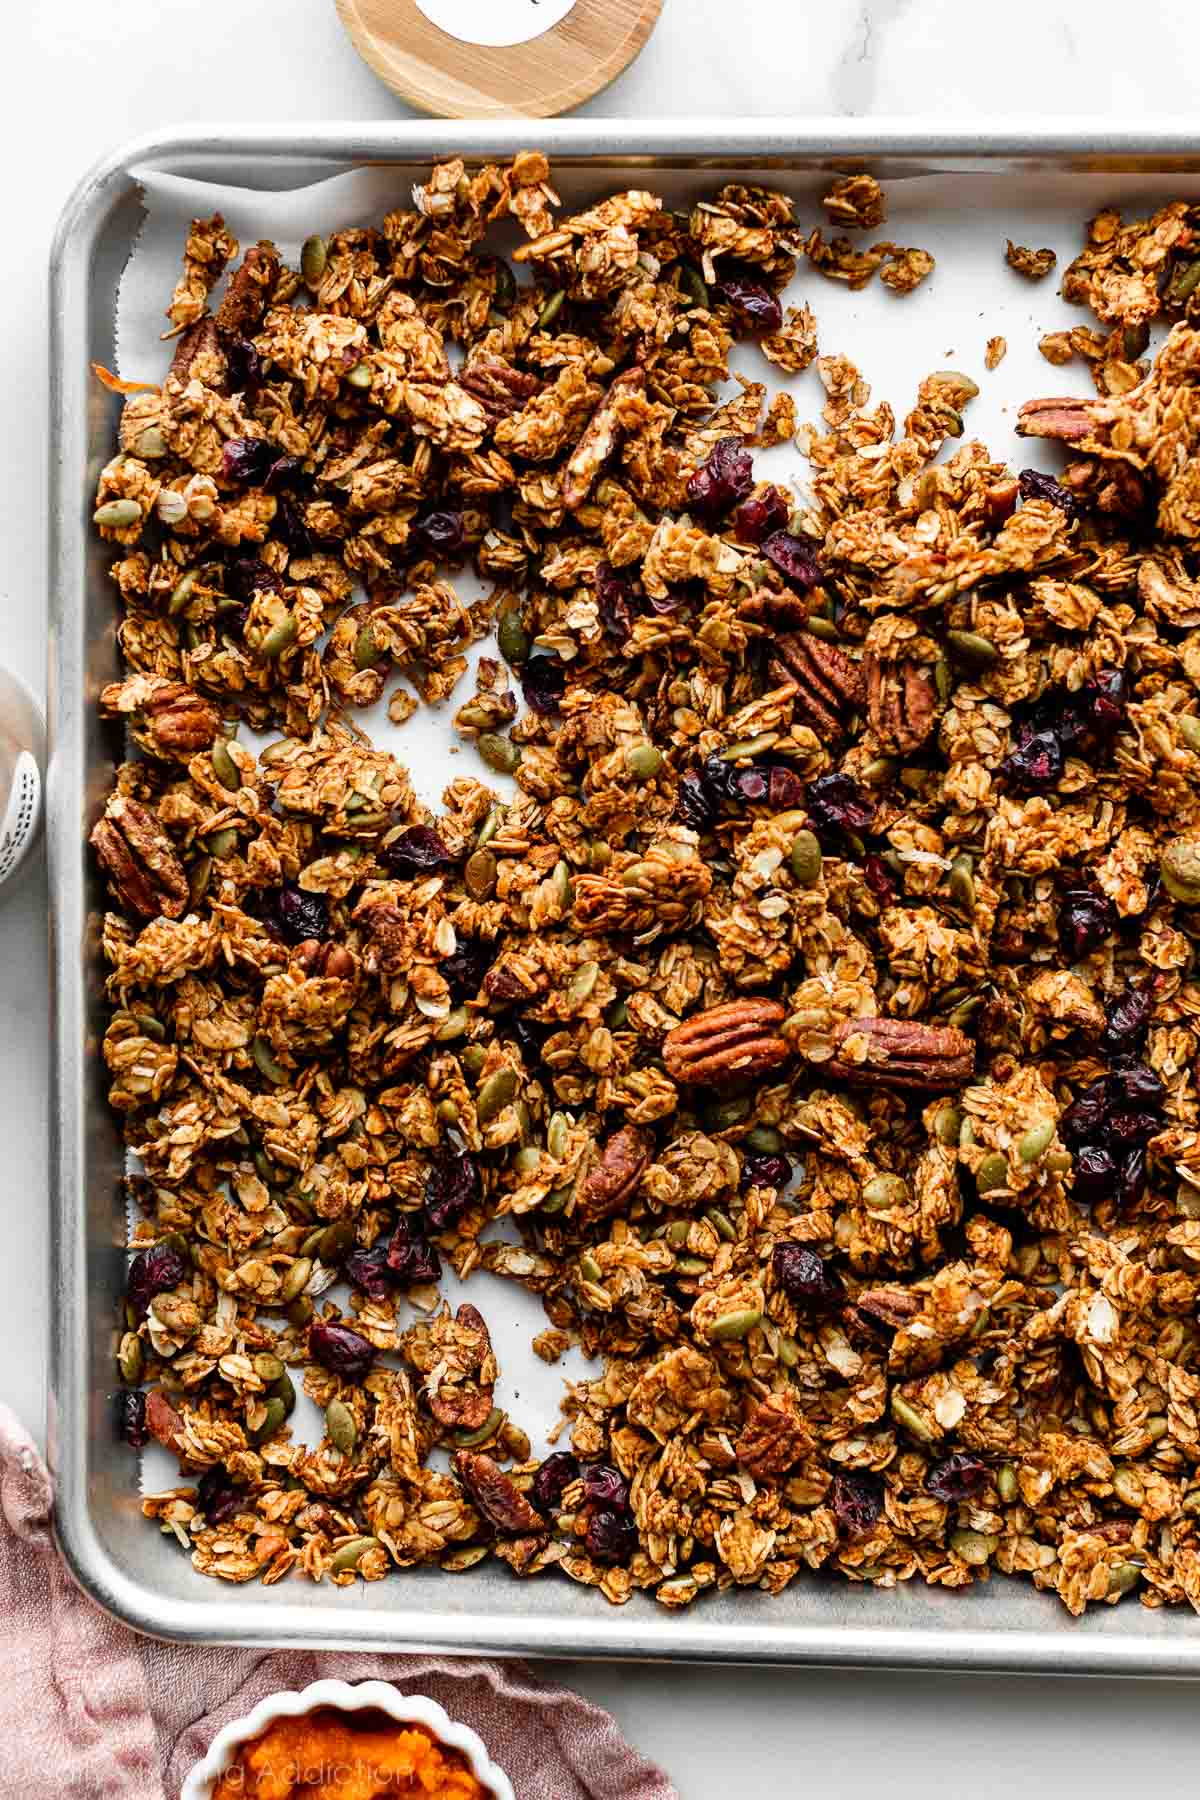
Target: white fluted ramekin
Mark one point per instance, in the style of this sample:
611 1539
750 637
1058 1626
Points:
376 1696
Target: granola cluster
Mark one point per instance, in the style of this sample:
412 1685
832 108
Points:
811 1021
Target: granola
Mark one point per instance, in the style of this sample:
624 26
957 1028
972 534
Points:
811 1024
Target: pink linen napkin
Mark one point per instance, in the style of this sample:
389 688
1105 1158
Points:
93 1711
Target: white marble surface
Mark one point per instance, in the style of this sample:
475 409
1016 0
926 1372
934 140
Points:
82 76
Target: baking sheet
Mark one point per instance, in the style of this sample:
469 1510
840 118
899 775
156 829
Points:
956 196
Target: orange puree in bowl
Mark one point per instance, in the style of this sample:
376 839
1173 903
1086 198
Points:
331 1755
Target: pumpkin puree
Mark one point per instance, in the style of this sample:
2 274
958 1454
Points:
330 1755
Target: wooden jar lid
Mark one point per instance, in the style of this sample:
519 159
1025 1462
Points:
452 78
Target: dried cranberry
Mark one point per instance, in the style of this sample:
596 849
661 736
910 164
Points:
283 473
411 1257
957 1477
611 1536
451 1186
1085 919
725 476
463 971
294 914
553 1479
1085 1119
244 364
291 526
695 801
837 800
760 516
1100 703
438 533
530 1034
795 559
1135 1084
878 877
766 1169
246 460
1036 486
614 601
1127 1127
857 1501
130 1407
1131 1178
757 308
1095 1174
368 1270
1126 1021
785 790
246 576
1036 760
605 1486
153 1271
342 1351
751 785
217 1497
804 1276
543 679
418 850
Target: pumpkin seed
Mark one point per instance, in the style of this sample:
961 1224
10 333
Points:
992 1173
973 651
599 855
279 638
617 1016
692 286
1189 730
818 627
266 1064
490 827
883 1192
691 1265
962 881
454 1025
199 876
274 1414
495 1094
1006 1483
473 1059
181 593
912 1421
556 1199
151 1027
765 1139
560 879
732 1327
965 1011
805 859
499 753
299 1311
131 1359
558 1134
551 309
1179 867
755 746
1126 1575
222 842
643 761
267 1367
512 638
943 680
1128 1487
1058 1162
722 1224
224 767
350 1555
975 1547
721 1115
150 444
360 376
589 1268
117 515
1036 1140
294 1281
366 651
676 1233
947 1125
1185 279
335 1240
313 258
479 874
582 983
467 1440
284 1390
504 287
341 1426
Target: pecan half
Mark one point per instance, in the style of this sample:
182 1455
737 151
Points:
499 388
774 1437
614 1179
139 860
496 1495
168 718
892 1306
829 686
899 1053
249 286
199 354
901 704
1065 417
739 1038
162 1421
